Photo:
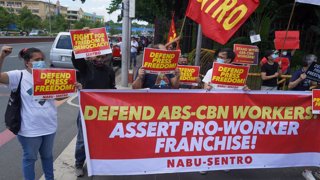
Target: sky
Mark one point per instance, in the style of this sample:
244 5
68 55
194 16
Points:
91 6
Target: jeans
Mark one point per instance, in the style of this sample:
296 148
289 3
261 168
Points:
31 146
133 56
80 154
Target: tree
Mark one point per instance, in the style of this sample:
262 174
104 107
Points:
58 23
6 18
27 20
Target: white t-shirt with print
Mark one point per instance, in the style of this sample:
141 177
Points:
135 48
39 117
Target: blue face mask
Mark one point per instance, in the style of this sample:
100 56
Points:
274 56
219 60
38 65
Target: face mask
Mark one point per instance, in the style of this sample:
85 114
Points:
284 53
98 63
274 56
219 60
38 65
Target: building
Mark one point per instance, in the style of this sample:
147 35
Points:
74 15
41 8
93 17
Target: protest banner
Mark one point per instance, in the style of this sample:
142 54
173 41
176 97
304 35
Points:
229 76
220 19
315 101
313 72
246 54
287 40
148 132
53 83
90 42
157 60
189 75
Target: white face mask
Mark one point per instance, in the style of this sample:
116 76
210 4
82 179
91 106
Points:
284 53
219 60
38 65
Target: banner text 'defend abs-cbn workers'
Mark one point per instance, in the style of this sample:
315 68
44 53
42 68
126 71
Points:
146 113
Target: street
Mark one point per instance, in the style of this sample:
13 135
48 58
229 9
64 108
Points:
11 151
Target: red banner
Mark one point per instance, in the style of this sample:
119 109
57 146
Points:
135 132
90 42
292 40
53 83
246 54
220 19
229 76
189 74
156 60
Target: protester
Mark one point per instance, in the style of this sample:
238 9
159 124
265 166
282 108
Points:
94 73
183 60
225 55
298 81
134 51
270 72
38 117
157 81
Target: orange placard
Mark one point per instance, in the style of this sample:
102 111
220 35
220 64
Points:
246 54
189 74
229 76
156 60
90 42
53 83
316 101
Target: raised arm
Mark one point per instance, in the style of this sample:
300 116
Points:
5 51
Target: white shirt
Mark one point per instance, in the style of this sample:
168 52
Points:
207 78
135 48
39 117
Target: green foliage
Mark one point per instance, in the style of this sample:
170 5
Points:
58 23
27 20
87 23
5 18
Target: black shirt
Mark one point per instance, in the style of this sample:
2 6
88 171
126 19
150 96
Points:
94 77
270 70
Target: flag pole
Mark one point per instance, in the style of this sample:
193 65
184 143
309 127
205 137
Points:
184 20
285 37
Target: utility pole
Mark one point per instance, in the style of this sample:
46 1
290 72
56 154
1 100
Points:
125 43
49 17
198 48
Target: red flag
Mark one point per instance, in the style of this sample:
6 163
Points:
220 19
172 32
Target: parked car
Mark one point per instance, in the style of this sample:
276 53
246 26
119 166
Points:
115 43
36 32
61 51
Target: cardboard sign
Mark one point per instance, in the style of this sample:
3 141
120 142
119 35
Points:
156 60
170 131
88 43
313 72
292 40
189 74
316 101
53 83
229 76
246 54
